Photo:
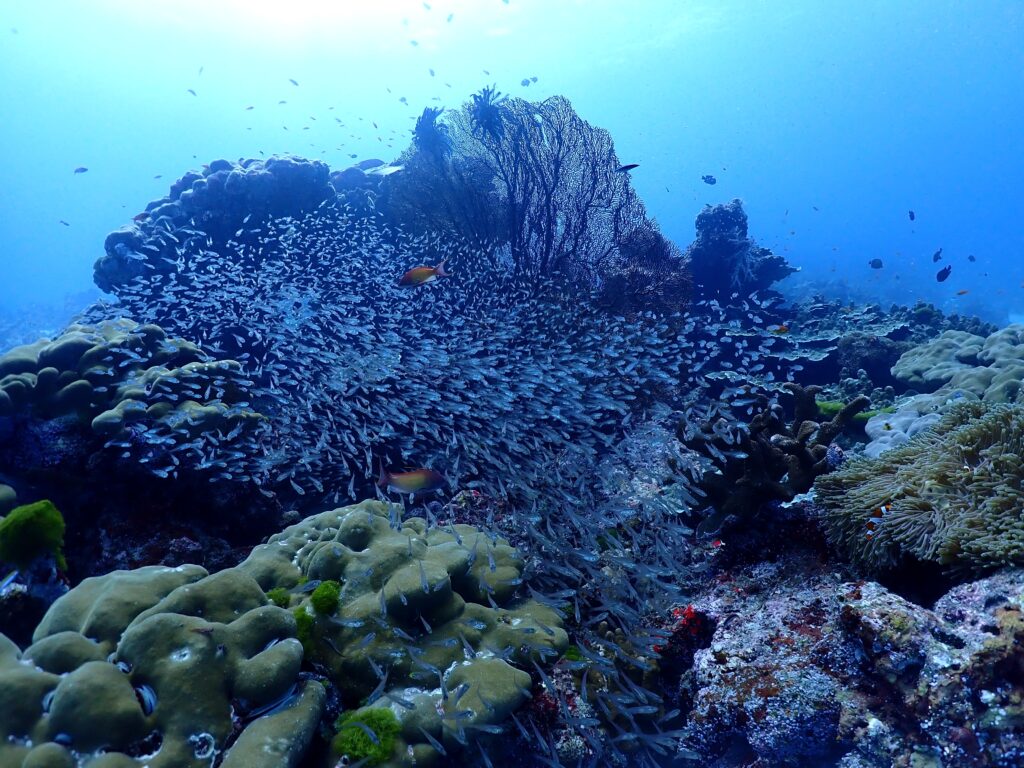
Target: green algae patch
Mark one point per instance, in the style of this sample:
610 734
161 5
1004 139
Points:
32 531
366 734
325 597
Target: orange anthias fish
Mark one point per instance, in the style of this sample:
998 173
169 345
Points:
414 481
778 330
422 275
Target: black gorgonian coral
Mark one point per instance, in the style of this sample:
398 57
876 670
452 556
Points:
486 111
430 136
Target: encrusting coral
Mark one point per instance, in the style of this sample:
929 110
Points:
159 667
426 621
953 495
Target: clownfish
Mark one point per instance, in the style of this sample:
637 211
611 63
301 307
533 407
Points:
877 515
420 480
422 275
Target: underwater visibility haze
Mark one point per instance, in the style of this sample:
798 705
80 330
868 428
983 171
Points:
512 383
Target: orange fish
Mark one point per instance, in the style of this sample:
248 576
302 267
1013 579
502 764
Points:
964 292
778 330
420 480
877 515
422 275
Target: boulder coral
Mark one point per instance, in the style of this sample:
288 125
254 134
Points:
428 622
953 495
160 667
127 387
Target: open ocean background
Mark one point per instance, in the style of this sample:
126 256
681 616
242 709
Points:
829 120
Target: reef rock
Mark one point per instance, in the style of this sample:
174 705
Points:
723 260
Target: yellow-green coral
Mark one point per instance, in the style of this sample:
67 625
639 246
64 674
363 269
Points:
953 495
32 531
120 373
437 608
199 662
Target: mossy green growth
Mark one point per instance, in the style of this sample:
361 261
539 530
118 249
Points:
829 409
304 627
32 531
354 740
572 653
325 597
279 596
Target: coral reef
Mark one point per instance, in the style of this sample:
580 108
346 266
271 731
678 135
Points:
768 459
951 495
425 621
724 260
207 208
161 667
346 365
539 186
148 396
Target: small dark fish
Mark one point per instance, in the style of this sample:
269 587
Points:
876 264
525 82
158 176
451 16
944 273
937 256
964 292
200 70
971 258
249 108
282 101
912 215
627 168
293 82
192 92
81 169
64 223
533 79
709 179
414 42
431 71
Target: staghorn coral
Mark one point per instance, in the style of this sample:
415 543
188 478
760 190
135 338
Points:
159 667
952 495
427 624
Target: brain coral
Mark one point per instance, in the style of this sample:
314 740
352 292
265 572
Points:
159 667
428 624
953 495
136 390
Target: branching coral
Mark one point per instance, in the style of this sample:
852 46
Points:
769 459
953 495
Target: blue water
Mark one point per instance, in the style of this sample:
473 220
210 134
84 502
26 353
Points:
830 120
